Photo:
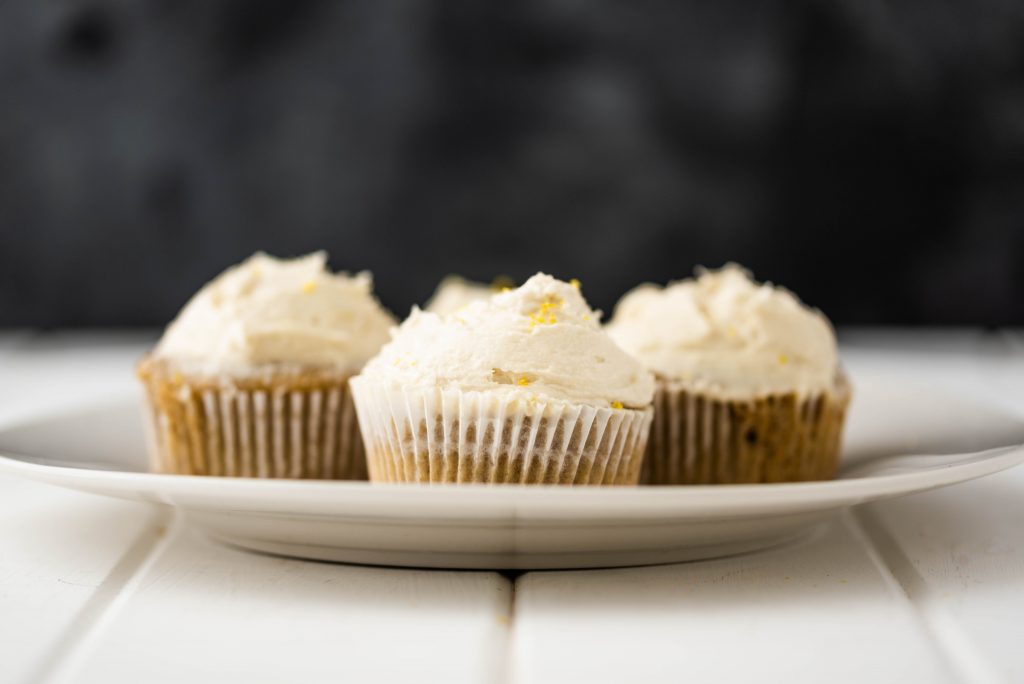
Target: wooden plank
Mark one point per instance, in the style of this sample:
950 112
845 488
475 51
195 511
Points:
205 612
820 610
61 555
960 555
959 552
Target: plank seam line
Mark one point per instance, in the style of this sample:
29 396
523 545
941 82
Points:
966 662
81 636
506 665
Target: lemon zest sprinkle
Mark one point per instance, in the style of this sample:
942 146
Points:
309 287
616 404
544 314
783 359
575 283
523 381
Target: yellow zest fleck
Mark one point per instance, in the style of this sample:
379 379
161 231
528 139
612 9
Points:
575 283
731 331
586 317
544 314
616 404
506 289
783 359
309 287
177 378
523 381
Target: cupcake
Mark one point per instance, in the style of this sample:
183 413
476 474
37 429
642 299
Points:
749 383
455 292
251 378
522 387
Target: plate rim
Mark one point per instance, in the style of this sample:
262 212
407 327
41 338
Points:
558 501
543 500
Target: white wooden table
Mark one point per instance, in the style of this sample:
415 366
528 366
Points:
925 588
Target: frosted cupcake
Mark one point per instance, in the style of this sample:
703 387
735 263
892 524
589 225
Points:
749 383
523 387
454 292
251 378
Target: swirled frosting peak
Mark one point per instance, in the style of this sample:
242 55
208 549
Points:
291 311
540 340
723 331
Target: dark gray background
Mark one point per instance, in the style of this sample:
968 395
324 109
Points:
868 155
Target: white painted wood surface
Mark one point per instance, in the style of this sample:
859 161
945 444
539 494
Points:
819 610
959 552
925 588
63 554
201 611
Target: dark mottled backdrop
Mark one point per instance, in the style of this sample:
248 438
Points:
870 155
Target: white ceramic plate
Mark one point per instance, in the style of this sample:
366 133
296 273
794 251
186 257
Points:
900 439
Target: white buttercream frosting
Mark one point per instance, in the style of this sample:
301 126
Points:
539 341
268 311
722 331
454 292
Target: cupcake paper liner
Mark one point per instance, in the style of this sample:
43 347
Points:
429 436
280 425
697 438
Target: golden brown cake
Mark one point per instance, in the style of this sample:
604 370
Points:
251 379
749 383
523 387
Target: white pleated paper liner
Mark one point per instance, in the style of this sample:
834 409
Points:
698 438
279 431
435 435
